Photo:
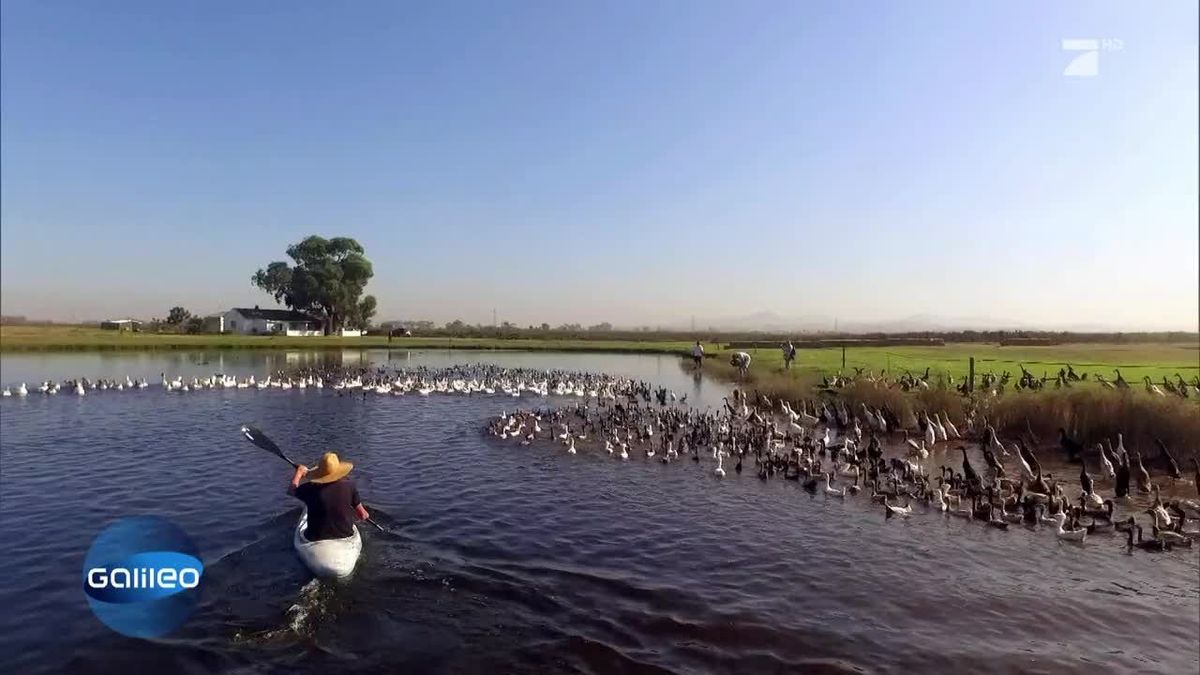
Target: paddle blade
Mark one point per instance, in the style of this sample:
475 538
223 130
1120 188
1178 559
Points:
261 440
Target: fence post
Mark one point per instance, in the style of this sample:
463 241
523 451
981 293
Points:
843 358
971 385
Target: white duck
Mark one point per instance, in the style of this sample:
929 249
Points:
1065 534
832 491
951 430
1106 467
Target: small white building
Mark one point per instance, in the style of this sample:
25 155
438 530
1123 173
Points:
121 324
255 321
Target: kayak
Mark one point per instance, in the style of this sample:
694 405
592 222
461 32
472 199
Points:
328 557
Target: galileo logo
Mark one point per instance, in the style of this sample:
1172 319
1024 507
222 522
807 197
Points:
142 576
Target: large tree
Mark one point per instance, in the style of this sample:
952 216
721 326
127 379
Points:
178 316
327 279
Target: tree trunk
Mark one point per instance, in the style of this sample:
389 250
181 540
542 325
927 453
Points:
330 320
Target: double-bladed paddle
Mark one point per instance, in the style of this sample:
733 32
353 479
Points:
261 440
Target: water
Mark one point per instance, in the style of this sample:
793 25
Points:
508 559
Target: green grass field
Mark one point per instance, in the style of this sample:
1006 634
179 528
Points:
1134 360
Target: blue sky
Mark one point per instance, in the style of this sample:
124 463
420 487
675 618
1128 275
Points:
633 162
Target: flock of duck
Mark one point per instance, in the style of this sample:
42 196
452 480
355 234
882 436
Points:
995 384
463 379
841 452
826 447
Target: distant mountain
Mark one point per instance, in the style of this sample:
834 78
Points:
769 321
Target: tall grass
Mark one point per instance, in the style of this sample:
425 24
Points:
1088 414
1092 415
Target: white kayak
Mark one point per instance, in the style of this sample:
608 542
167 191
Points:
328 557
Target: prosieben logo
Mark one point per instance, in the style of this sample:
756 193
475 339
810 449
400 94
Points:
142 576
1086 62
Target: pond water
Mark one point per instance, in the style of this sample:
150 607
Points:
501 558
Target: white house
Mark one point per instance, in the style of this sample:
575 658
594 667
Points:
255 321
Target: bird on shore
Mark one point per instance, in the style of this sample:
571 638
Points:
1141 475
1106 467
1172 466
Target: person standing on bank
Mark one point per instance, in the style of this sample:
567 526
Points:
331 498
789 354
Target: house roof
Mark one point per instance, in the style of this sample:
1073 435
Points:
273 314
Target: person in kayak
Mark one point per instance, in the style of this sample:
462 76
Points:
332 499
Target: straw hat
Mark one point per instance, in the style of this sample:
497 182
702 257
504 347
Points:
330 469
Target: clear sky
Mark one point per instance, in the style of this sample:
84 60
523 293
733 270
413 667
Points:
635 162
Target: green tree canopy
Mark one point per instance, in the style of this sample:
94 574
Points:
178 316
327 279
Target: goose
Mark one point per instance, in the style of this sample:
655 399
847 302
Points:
951 430
930 434
1141 474
625 451
571 447
1149 545
993 442
1009 517
1026 470
719 472
5 392
1104 525
939 498
1106 467
79 388
994 464
853 489
22 390
1168 459
608 446
1162 517
889 510
1068 535
1170 537
937 424
830 490
968 471
1088 498
1153 388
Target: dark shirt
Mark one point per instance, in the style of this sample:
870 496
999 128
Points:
331 508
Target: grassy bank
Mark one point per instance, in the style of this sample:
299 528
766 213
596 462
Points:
78 338
952 360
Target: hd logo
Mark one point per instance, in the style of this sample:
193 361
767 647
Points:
142 576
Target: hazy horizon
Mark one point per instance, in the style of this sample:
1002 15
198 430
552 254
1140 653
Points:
633 164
